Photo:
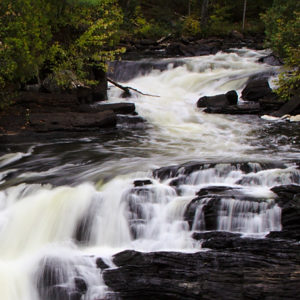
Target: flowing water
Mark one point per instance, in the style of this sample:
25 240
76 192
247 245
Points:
68 201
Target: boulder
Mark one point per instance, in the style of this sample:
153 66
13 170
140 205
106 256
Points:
218 101
271 60
256 89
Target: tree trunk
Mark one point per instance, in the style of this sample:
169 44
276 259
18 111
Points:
204 13
244 13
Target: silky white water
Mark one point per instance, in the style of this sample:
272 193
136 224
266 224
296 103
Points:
64 204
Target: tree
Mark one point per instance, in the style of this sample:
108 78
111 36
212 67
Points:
50 35
282 22
204 13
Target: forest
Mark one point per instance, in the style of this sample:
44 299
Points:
42 37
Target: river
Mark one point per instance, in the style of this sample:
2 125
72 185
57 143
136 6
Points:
64 201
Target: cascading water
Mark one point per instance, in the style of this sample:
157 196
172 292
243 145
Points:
66 204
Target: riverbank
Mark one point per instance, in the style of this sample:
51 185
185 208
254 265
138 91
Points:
43 110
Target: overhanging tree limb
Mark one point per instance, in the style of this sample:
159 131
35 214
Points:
127 88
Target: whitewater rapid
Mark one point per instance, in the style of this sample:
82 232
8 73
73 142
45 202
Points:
65 204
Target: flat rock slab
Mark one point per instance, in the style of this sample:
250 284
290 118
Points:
71 120
206 275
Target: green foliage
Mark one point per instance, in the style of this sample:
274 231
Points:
283 36
24 38
38 37
219 23
143 27
191 26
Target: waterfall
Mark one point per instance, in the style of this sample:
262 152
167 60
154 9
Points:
66 207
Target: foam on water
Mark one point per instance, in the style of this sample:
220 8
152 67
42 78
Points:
62 230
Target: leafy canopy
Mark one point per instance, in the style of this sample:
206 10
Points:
282 23
43 36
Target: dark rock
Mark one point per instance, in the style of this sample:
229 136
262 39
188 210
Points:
80 285
71 121
101 264
218 190
176 182
270 103
289 201
285 235
138 183
190 167
232 97
241 274
118 108
218 101
256 89
242 109
83 230
272 60
286 192
208 219
291 107
175 49
215 234
166 172
130 120
125 70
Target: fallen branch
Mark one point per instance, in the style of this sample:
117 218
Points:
127 88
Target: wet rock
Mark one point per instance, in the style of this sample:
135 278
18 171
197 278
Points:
190 167
52 279
101 264
131 121
271 60
218 190
285 235
208 218
216 274
83 230
291 107
137 212
218 101
270 103
138 183
242 109
118 108
80 285
289 201
221 235
125 70
256 89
